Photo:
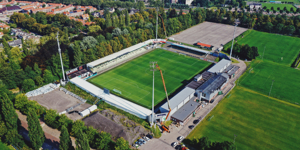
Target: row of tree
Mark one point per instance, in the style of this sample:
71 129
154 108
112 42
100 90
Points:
244 51
205 144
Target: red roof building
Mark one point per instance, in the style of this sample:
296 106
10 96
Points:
203 45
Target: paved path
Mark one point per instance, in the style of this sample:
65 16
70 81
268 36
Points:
165 141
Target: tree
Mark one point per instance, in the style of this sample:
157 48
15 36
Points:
116 32
6 48
48 77
108 21
94 28
279 27
127 19
20 102
24 47
36 69
102 142
65 140
77 54
39 80
8 111
14 65
35 131
28 85
122 144
82 142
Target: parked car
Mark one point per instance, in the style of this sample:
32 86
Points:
180 138
196 121
146 138
212 101
178 147
135 145
191 126
139 143
143 141
149 136
174 144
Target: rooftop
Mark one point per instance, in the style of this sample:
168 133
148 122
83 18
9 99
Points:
186 110
178 98
214 83
205 76
220 66
230 70
202 44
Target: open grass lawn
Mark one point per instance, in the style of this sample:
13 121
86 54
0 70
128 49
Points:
134 78
286 80
258 121
276 46
281 6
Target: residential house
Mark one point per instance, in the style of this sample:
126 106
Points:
74 13
18 33
99 14
10 10
85 16
111 10
133 11
255 6
15 43
56 4
22 3
46 9
1 34
91 8
63 9
4 26
5 2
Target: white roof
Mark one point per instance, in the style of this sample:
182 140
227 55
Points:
85 112
92 108
119 53
221 65
178 98
119 102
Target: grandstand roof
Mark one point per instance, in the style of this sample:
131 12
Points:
117 54
202 44
188 47
116 101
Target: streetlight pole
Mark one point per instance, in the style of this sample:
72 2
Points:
233 40
62 66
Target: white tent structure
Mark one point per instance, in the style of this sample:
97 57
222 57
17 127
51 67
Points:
85 113
111 99
92 108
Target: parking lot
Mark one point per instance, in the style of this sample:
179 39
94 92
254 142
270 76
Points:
210 33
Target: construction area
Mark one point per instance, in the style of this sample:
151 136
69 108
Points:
116 125
214 34
60 101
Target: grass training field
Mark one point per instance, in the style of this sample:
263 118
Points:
286 80
134 78
281 6
276 46
295 1
258 121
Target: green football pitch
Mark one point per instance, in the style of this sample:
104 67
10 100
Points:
134 79
274 47
258 121
281 6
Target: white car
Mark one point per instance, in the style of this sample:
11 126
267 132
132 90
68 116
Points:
146 138
180 138
174 144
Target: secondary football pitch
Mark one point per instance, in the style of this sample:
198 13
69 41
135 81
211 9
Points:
281 6
134 79
273 47
258 121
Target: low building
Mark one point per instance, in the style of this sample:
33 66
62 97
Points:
15 43
63 9
4 26
255 6
220 66
99 14
85 16
177 101
185 113
10 10
203 45
46 9
1 34
232 70
211 88
74 13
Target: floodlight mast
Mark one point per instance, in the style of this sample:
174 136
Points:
62 66
233 39
153 69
